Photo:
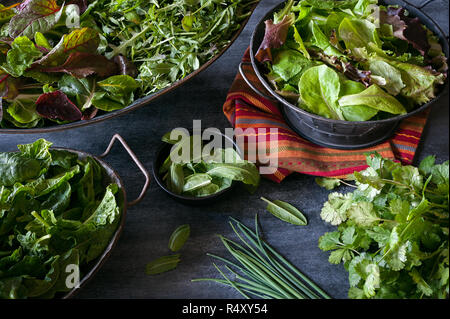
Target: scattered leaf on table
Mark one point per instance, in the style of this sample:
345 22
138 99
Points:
285 212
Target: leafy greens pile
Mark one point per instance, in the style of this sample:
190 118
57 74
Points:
55 212
208 174
351 60
392 232
56 68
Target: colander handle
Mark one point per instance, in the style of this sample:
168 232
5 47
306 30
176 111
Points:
250 84
136 161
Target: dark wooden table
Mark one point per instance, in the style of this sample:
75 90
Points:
150 223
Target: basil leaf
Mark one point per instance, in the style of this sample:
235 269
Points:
285 212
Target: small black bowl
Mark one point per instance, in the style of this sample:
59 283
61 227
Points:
163 153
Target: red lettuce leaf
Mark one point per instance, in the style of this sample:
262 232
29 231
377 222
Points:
82 64
57 106
406 28
90 113
82 5
274 37
125 66
346 68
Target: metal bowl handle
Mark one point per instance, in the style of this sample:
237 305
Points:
250 84
136 160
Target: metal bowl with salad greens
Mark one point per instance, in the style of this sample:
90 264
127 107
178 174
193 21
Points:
65 64
351 60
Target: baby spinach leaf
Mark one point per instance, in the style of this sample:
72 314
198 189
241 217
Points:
114 92
196 181
175 179
285 212
80 90
289 63
16 168
244 172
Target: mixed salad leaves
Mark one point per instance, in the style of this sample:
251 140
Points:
351 60
65 61
55 212
392 234
206 173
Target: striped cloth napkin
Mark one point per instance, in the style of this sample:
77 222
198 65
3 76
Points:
246 109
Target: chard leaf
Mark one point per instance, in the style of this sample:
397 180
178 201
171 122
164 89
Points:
80 90
83 64
285 212
33 16
56 105
84 40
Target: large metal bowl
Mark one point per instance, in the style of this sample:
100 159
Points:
336 133
137 103
110 176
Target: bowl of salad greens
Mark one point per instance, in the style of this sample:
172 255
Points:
210 171
66 64
347 71
61 214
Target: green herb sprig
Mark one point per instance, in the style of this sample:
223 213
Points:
392 234
260 271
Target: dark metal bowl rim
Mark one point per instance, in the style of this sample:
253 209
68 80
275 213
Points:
443 89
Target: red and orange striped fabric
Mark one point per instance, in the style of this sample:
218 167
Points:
246 109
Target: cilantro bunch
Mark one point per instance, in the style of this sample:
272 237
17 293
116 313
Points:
392 234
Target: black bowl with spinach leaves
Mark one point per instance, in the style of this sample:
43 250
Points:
204 177
325 31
